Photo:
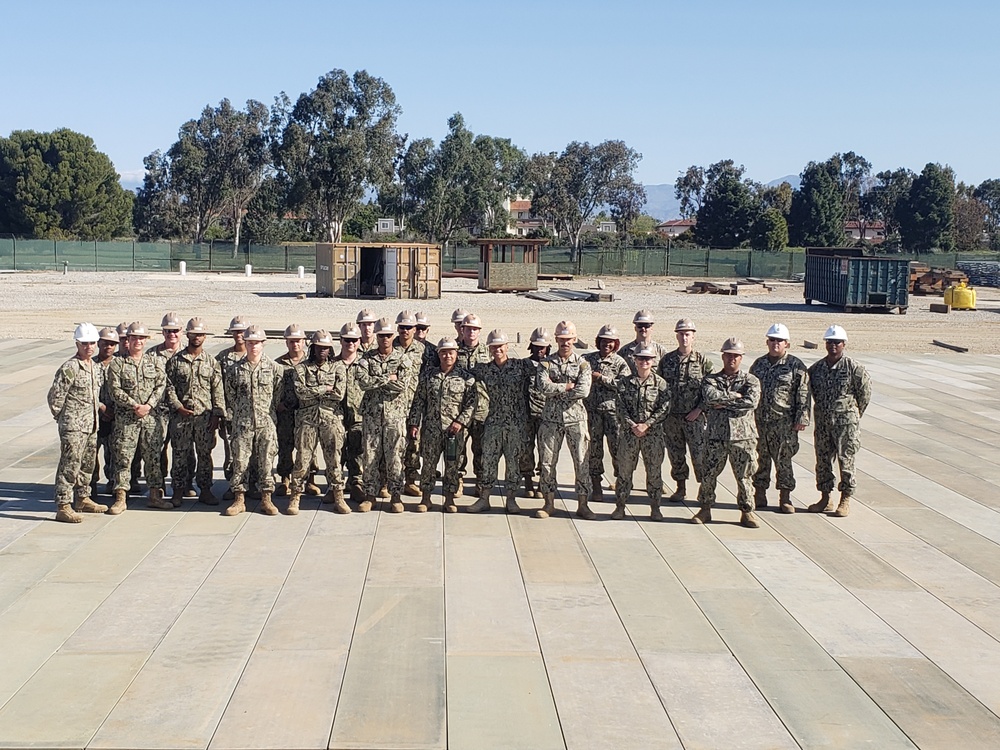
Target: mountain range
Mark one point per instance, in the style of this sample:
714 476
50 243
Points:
662 205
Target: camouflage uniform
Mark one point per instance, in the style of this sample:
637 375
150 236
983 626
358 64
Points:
601 420
638 402
468 359
74 400
104 428
684 377
419 354
441 399
563 415
731 434
784 403
384 409
133 382
536 403
286 422
252 392
354 441
506 390
194 382
628 351
319 419
227 359
162 411
840 394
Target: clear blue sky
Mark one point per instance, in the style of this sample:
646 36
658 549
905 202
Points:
771 84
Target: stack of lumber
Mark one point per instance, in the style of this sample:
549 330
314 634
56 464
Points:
981 272
924 280
750 286
570 295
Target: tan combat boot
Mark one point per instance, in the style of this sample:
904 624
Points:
583 510
449 503
680 494
483 503
549 508
410 489
529 487
177 497
384 493
654 509
704 515
844 508
425 503
785 502
366 505
311 488
281 488
822 505
119 504
86 505
748 519
760 497
596 493
339 506
293 503
267 507
66 514
157 501
511 505
396 504
619 512
461 487
206 497
237 506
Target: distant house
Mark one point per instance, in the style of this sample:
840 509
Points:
607 226
874 231
388 226
522 221
675 227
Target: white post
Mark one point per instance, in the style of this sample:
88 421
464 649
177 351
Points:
248 269
183 268
302 272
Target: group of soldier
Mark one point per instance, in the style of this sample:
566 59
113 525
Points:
390 405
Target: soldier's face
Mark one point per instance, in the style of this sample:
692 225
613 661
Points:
643 331
538 353
385 343
237 337
321 353
685 338
295 346
254 350
422 333
196 340
776 347
447 358
643 366
367 329
499 353
565 344
606 346
135 345
834 349
471 334
105 348
171 337
731 363
406 334
349 347
85 349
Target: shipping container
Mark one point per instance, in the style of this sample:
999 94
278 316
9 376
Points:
378 270
846 278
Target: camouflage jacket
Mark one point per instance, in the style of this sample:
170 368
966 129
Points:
784 390
384 399
684 376
227 359
353 394
442 399
602 392
75 396
562 406
536 400
639 402
628 351
371 346
165 355
109 407
506 390
418 351
195 383
840 393
737 396
468 359
288 398
133 382
252 392
315 402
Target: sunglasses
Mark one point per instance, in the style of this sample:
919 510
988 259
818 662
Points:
422 328
643 325
406 328
771 340
834 342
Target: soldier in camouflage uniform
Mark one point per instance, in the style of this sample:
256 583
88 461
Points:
423 335
198 403
684 369
350 339
75 402
320 387
505 382
366 324
564 380
473 352
730 397
606 368
170 326
136 386
539 347
406 341
782 414
122 331
227 358
841 391
386 379
642 404
458 320
107 345
253 386
443 404
642 322
295 343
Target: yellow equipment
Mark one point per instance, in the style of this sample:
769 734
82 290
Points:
960 297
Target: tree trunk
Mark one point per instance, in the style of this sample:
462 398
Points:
238 221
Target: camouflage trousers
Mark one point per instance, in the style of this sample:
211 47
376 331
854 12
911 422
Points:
840 443
77 453
432 447
475 437
142 439
505 440
529 464
383 457
103 451
679 436
192 442
603 426
550 438
354 449
327 433
629 449
411 461
259 446
742 456
777 442
286 442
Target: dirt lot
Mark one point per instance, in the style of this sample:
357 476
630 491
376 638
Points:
48 305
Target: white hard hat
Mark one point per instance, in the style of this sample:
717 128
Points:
778 331
86 333
835 333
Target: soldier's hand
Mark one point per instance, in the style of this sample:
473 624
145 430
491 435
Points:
185 412
693 414
640 430
454 428
569 386
142 410
595 375
799 427
413 432
392 376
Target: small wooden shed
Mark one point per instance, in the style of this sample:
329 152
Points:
378 270
509 264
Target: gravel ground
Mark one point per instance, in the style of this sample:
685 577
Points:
48 305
